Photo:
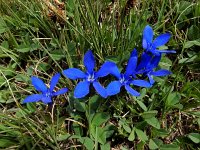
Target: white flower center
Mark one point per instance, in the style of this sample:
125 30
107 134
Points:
122 80
90 78
48 94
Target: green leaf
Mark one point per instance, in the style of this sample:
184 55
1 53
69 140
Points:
112 58
22 78
63 137
43 66
109 129
153 122
6 143
71 47
142 94
152 144
101 135
78 105
165 63
94 103
196 113
158 142
100 118
198 121
5 96
183 7
87 142
105 147
169 147
54 42
23 48
14 132
164 47
57 55
126 128
76 137
194 32
149 114
8 70
132 135
123 148
172 99
3 26
142 105
2 80
189 44
5 44
141 135
140 145
77 129
21 112
31 107
187 60
160 133
195 137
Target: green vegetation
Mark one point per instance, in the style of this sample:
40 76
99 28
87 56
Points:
40 39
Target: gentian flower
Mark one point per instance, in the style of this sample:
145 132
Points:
125 79
47 93
151 46
89 77
147 66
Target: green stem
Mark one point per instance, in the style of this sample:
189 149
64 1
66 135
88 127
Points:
96 141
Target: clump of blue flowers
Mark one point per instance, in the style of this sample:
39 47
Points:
146 68
126 79
46 93
151 45
89 77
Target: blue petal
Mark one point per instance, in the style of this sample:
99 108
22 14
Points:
155 61
134 53
114 88
46 100
161 39
82 89
131 91
147 36
38 84
61 91
115 71
54 81
89 61
33 98
166 51
105 69
73 73
100 89
141 83
145 59
132 63
151 80
161 72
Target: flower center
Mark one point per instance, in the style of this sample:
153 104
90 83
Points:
48 94
151 47
90 77
123 80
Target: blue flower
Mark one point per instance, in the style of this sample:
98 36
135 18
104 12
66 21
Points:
47 93
89 77
147 66
125 79
151 46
